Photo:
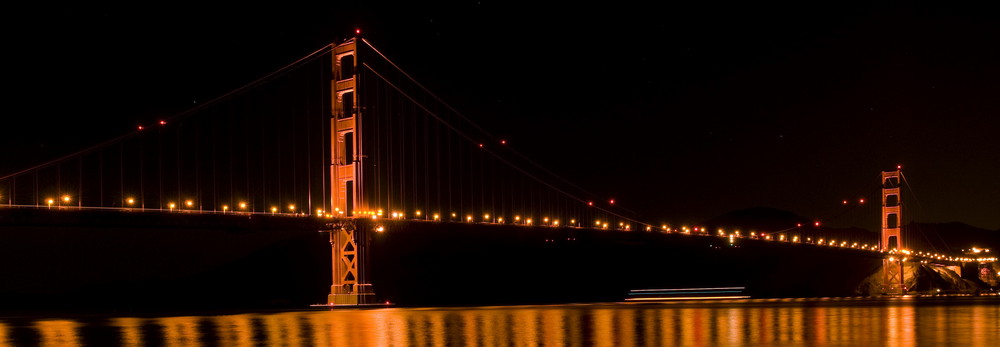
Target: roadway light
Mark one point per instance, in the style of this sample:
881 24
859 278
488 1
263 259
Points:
189 203
225 208
274 209
291 208
50 201
243 205
171 205
66 199
130 201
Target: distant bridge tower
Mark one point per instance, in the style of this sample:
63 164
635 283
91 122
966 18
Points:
892 209
347 239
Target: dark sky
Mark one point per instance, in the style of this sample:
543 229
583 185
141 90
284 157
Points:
680 112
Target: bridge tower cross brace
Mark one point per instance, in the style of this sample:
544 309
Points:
892 209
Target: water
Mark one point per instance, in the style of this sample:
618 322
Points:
785 322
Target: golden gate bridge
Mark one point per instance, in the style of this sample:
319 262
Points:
348 140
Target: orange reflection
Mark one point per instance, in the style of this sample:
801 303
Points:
525 321
234 330
554 329
130 329
603 328
180 331
805 323
283 329
58 332
5 340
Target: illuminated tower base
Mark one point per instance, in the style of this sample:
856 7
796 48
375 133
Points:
347 288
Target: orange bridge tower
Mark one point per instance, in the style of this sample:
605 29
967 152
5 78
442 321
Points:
892 241
347 240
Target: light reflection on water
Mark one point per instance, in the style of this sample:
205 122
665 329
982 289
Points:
744 323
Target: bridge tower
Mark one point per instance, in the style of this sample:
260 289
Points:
892 209
346 237
345 171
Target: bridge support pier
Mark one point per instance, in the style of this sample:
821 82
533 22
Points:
348 288
892 276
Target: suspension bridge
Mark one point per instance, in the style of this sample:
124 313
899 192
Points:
345 141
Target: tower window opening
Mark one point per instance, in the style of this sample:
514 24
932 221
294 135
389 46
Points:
347 67
347 105
348 148
891 200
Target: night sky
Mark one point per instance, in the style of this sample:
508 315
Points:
679 112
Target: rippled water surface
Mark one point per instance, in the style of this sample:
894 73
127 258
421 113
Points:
813 322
